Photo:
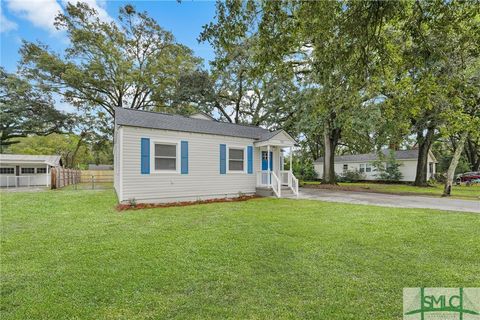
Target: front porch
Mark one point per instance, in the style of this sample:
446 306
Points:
273 177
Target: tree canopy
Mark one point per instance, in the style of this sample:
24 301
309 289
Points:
133 63
27 110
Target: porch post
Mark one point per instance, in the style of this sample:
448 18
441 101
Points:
268 166
291 157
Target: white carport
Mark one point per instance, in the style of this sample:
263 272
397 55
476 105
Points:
22 170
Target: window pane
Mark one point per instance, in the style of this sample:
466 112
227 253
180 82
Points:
28 170
369 167
235 154
7 170
165 150
235 165
41 170
165 164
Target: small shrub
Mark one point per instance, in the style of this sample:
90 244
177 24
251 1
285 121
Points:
351 176
304 170
388 170
132 202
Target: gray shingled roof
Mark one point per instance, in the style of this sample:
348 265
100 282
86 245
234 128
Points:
53 160
399 155
165 121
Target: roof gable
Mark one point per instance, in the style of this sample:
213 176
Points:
280 136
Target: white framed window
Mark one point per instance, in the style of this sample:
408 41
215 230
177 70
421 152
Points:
236 159
368 167
7 170
41 170
165 157
365 167
345 167
28 170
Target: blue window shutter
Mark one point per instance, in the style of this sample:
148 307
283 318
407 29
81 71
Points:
223 159
184 157
145 155
250 159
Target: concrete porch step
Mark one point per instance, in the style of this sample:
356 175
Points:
268 192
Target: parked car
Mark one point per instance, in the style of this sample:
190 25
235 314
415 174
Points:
468 177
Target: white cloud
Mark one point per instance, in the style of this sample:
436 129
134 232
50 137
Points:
41 13
5 24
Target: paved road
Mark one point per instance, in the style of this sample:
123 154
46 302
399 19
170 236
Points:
389 200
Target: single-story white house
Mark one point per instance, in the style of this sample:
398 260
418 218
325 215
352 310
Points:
23 170
161 157
363 163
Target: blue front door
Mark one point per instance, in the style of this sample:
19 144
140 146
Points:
265 160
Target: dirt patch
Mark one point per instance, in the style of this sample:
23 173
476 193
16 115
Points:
123 207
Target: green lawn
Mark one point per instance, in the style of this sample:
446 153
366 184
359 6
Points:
70 255
461 192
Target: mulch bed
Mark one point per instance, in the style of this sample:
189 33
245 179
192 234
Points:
364 189
123 207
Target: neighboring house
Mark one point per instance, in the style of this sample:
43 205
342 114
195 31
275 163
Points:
162 157
364 164
100 167
22 170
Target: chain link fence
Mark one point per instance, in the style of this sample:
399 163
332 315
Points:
94 180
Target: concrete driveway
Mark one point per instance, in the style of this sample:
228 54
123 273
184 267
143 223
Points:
390 200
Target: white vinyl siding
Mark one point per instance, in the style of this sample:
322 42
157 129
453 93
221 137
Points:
408 169
203 180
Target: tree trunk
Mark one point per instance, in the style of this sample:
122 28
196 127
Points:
330 138
79 143
424 144
453 165
472 152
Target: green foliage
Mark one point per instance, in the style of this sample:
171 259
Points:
444 162
388 169
303 168
351 176
26 110
73 154
133 63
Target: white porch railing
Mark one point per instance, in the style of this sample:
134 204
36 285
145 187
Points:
276 185
293 183
270 180
289 179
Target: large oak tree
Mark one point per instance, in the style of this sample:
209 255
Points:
130 63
